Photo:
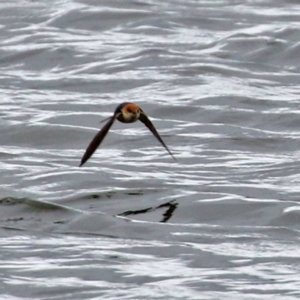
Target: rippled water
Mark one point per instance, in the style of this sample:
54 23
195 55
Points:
220 81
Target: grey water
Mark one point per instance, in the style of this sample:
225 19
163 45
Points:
220 81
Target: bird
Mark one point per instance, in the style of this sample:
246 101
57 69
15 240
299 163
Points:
126 112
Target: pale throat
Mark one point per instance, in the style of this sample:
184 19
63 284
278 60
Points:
131 117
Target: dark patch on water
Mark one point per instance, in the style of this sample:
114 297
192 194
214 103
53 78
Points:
167 215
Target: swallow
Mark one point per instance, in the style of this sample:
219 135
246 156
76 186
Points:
125 113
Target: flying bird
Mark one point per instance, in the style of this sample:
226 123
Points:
125 113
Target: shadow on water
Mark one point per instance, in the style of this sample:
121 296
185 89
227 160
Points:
41 216
126 202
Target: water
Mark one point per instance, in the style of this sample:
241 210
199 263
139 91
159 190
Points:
220 81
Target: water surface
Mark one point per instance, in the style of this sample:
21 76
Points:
220 81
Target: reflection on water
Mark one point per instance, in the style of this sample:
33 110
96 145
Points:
220 80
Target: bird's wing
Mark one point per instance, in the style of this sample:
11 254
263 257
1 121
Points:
99 137
104 120
144 119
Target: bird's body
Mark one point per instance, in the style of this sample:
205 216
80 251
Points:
125 113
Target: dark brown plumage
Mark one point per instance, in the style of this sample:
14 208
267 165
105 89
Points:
125 113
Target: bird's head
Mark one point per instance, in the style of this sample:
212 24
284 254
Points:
130 112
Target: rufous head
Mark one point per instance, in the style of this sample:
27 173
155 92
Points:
130 112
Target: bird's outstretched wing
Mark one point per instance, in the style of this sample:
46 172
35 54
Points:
144 119
99 137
